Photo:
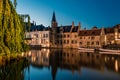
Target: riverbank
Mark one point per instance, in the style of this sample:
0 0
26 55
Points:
9 58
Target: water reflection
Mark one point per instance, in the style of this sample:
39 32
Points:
13 70
74 61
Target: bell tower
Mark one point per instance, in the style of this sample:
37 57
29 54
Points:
53 22
54 30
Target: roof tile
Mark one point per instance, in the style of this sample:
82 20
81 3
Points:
89 32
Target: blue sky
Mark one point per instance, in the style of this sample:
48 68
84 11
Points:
89 12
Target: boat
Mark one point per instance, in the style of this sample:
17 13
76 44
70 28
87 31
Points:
108 50
109 53
86 49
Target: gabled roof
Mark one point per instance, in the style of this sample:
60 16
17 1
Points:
47 28
75 29
89 32
109 30
67 28
37 27
117 26
64 29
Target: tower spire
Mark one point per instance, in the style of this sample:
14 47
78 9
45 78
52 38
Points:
53 18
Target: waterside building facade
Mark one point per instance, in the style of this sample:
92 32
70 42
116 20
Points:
71 36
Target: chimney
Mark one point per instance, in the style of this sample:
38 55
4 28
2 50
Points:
79 26
73 24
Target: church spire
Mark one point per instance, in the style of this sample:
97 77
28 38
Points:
54 22
53 18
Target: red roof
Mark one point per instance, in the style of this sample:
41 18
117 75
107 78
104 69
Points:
89 32
109 30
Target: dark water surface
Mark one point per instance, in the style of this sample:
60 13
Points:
55 64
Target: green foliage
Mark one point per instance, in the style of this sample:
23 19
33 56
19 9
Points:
29 24
15 3
11 29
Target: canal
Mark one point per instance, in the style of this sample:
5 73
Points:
66 64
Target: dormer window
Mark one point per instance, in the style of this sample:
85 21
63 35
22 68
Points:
93 33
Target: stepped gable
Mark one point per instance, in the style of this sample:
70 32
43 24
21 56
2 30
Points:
118 26
90 32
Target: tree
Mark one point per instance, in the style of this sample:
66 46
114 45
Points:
11 29
15 3
29 24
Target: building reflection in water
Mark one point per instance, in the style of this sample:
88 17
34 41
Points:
73 60
39 57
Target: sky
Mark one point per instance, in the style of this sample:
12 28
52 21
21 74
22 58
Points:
100 13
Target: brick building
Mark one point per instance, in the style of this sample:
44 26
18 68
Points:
72 36
64 36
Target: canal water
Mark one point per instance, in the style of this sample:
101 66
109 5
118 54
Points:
66 64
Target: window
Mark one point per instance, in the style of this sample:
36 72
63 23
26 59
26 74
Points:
88 43
80 37
97 43
92 43
89 37
60 42
67 41
92 38
64 41
84 37
75 41
80 43
75 36
46 35
72 41
68 35
43 35
64 36
93 33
